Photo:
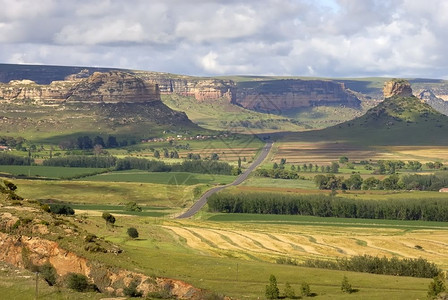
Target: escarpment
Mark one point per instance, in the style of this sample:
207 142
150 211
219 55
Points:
279 95
110 87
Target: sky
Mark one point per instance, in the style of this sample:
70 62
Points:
325 38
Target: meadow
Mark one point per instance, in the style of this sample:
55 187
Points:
48 172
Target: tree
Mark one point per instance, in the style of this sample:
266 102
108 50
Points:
110 219
239 162
346 287
132 232
132 206
343 159
272 291
354 182
112 142
305 290
214 156
275 166
334 167
131 290
289 291
156 154
98 141
436 286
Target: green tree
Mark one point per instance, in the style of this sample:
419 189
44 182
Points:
346 287
272 291
132 232
436 286
132 206
343 159
289 291
77 282
239 162
334 167
305 290
156 154
131 290
275 166
110 219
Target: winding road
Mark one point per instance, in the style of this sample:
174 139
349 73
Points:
201 202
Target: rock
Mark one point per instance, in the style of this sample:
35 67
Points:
397 87
277 96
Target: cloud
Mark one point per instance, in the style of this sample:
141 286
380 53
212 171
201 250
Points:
326 38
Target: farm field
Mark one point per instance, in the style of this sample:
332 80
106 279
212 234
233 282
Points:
48 172
170 178
110 193
214 255
324 153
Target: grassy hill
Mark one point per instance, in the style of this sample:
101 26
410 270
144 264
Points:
395 121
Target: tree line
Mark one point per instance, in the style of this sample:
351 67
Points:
431 182
82 161
11 159
413 267
329 206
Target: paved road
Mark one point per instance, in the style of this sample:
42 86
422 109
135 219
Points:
201 202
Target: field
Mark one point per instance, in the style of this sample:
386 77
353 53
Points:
323 153
173 178
48 172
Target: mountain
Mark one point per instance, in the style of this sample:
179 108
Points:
401 119
114 103
437 103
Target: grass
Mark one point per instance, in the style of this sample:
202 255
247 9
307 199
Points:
48 172
110 193
120 209
319 221
166 178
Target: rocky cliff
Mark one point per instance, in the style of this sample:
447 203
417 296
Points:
110 87
397 87
437 103
279 95
202 89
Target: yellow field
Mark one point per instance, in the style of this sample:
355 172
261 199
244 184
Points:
325 153
267 242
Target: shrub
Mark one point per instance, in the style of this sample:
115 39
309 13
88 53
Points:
131 290
346 287
289 291
77 282
305 290
110 219
272 291
48 272
436 286
61 209
132 232
132 206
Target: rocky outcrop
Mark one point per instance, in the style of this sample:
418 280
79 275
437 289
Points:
23 251
110 87
277 96
397 87
202 89
437 103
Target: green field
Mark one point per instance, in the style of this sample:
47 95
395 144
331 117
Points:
120 209
171 178
48 172
319 221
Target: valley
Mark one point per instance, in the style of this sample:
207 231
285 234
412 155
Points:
145 146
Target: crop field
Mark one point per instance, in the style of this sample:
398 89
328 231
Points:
170 178
48 172
97 210
325 153
110 193
301 238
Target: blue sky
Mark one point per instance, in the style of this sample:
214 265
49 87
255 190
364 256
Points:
327 38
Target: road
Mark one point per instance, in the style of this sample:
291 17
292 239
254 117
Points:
201 202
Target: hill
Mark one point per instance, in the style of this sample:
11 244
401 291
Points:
401 119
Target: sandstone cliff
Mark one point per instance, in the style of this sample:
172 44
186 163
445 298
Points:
277 96
110 87
397 87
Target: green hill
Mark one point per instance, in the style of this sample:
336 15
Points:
395 121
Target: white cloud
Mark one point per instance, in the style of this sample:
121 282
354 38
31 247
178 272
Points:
283 37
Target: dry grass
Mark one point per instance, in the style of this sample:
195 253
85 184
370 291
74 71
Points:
325 153
266 242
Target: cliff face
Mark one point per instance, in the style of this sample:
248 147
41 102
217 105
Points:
280 95
110 87
200 89
396 87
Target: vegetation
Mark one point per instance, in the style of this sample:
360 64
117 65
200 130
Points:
132 232
78 282
61 209
305 289
329 206
11 159
437 286
346 287
418 267
82 161
110 219
272 291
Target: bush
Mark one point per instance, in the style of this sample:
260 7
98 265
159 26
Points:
131 290
77 282
305 290
272 291
61 209
132 206
132 232
110 219
48 272
346 287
